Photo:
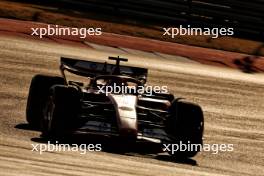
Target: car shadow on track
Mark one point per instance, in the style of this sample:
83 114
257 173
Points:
25 126
116 145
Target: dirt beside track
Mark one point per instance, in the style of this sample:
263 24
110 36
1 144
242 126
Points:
244 62
232 102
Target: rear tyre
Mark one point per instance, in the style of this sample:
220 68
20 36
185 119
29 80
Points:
37 97
186 125
60 112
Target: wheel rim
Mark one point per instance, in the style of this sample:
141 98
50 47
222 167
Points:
48 114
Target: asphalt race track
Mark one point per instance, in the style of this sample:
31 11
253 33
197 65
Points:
232 101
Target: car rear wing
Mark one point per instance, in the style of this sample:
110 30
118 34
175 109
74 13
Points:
93 69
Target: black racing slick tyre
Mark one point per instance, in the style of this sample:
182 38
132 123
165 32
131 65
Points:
37 97
186 125
61 110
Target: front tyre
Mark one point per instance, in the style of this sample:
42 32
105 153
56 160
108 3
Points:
61 111
37 97
186 125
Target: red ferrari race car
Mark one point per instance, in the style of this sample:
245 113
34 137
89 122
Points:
114 102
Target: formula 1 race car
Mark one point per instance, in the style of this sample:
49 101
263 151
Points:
60 105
